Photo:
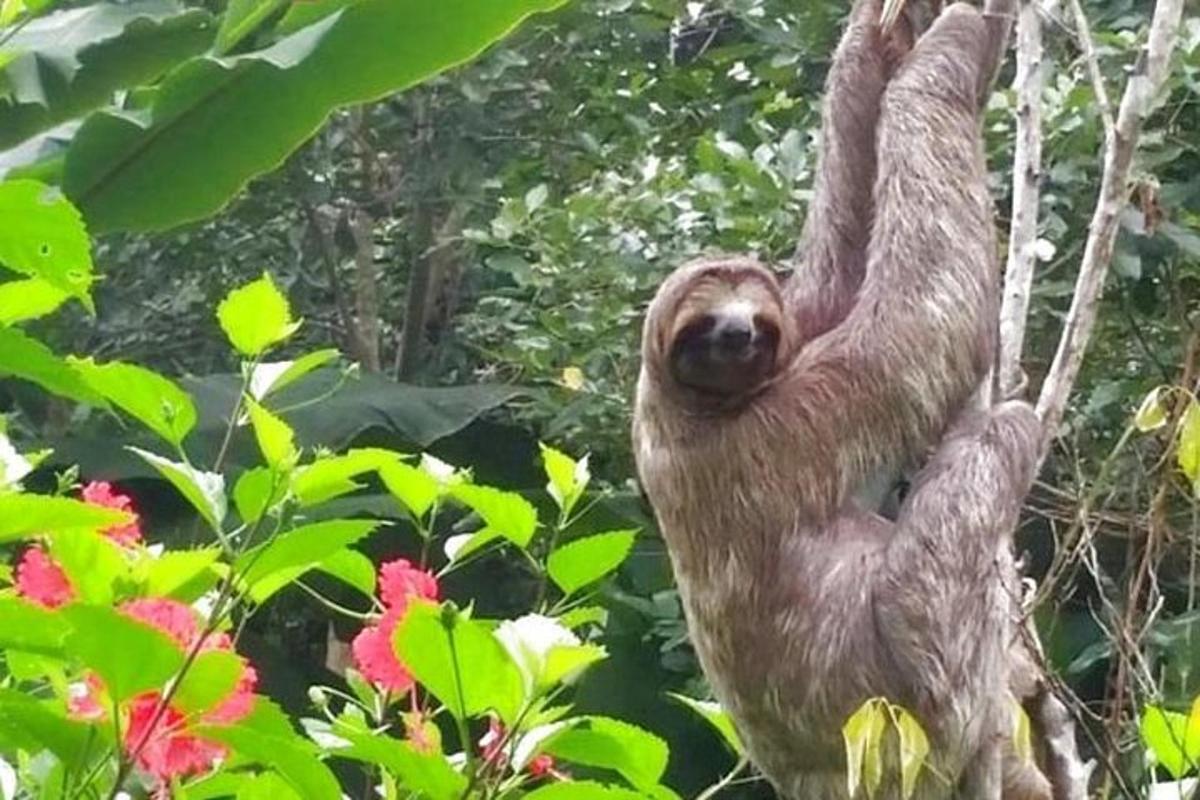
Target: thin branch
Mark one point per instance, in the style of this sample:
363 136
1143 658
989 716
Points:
1087 47
1148 76
1027 170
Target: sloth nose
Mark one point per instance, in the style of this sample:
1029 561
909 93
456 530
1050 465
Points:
733 334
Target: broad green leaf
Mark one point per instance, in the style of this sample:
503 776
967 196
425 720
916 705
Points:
265 738
584 615
26 358
429 775
415 490
863 735
214 124
568 477
25 515
638 755
914 748
276 440
461 545
268 568
463 665
712 713
256 317
204 490
583 561
241 19
216 786
34 726
130 656
564 663
1173 739
28 299
44 237
31 628
507 513
182 574
211 678
1150 414
331 476
1189 443
275 375
351 568
256 491
71 62
301 15
155 401
93 563
582 790
267 786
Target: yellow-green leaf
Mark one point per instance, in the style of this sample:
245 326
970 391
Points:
256 316
1150 414
914 748
276 439
862 734
1189 442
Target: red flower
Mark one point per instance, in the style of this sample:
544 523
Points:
175 619
375 657
399 584
542 765
40 580
400 581
100 493
167 751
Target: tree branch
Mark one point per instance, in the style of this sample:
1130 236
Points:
1148 77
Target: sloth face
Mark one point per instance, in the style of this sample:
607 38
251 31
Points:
725 340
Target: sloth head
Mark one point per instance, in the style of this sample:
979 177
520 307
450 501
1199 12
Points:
716 329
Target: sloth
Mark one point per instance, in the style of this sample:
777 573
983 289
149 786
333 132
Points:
762 407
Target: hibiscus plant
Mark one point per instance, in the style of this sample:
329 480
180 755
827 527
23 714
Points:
122 675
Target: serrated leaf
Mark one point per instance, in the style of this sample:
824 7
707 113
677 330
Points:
210 679
256 317
28 299
328 477
1150 414
276 439
506 513
914 749
93 563
128 655
638 755
37 726
415 489
465 667
272 376
712 713
178 570
44 237
204 490
430 775
584 561
351 568
256 491
24 357
155 401
31 629
26 515
268 568
568 477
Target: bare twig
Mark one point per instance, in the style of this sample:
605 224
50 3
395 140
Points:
1087 47
1147 78
1027 168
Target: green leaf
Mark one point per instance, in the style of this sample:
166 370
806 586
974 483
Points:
178 571
331 476
130 656
914 748
155 401
1189 443
413 487
241 19
30 628
256 317
272 376
43 237
28 359
582 790
72 62
863 735
1173 739
268 568
256 491
565 662
428 775
215 124
712 713
352 568
265 738
483 677
93 563
204 490
211 678
276 440
266 786
35 726
28 299
25 515
638 755
568 478
507 513
583 561
1150 414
